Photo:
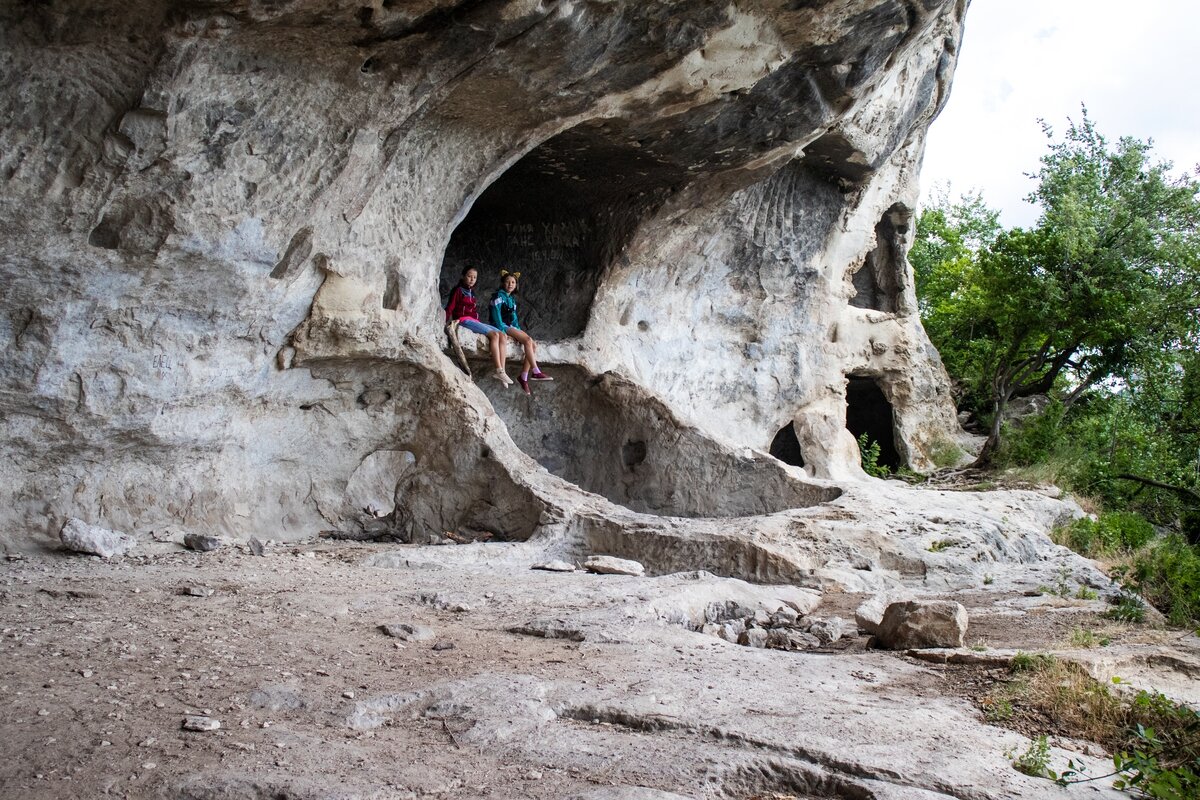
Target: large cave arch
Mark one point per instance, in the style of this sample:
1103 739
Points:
559 216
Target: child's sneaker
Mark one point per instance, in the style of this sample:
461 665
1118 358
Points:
523 382
502 376
539 376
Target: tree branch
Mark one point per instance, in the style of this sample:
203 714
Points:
1183 490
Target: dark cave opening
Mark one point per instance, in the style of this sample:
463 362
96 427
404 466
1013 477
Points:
786 447
559 216
869 411
878 282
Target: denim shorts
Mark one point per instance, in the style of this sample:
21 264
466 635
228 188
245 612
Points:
475 326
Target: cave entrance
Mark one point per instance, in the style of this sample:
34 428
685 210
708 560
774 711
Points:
559 216
869 411
786 447
878 282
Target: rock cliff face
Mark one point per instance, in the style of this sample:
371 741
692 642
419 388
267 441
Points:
228 227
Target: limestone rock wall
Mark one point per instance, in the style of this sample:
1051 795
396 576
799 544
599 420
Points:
228 226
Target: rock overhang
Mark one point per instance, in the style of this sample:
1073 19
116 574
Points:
263 205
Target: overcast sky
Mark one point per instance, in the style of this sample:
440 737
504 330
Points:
1136 67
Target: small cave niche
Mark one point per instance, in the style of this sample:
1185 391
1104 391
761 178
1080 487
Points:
608 436
879 281
869 411
786 447
559 216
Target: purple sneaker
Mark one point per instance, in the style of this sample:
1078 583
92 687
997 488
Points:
539 376
524 384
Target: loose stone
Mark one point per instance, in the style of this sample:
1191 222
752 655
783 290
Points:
923 624
80 537
407 632
202 543
202 724
609 565
555 566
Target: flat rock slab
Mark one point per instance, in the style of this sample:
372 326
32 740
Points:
920 624
80 537
610 565
555 566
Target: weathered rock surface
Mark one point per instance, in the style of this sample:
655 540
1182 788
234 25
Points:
80 537
225 289
922 623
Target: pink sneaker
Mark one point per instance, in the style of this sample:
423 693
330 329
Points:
539 376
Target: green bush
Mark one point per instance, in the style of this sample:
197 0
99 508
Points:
1033 440
1114 532
1167 574
1159 756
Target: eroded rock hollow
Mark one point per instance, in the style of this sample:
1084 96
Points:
229 227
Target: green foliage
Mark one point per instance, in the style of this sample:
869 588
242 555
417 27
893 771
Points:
1035 760
1163 762
1128 607
1034 440
1168 576
1111 533
997 709
1101 289
1084 638
869 451
1155 741
944 453
1031 662
1095 306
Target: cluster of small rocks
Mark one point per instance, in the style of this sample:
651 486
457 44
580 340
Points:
782 629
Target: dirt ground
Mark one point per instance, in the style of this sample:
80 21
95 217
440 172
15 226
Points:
101 663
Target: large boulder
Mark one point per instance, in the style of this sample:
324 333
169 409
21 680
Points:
869 615
922 623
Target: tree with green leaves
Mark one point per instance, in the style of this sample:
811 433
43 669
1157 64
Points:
1105 285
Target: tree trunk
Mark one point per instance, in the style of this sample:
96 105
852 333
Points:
984 459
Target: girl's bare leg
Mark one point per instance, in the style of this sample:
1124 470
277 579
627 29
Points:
497 346
530 347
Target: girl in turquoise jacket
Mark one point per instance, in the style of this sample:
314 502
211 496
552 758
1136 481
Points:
504 317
